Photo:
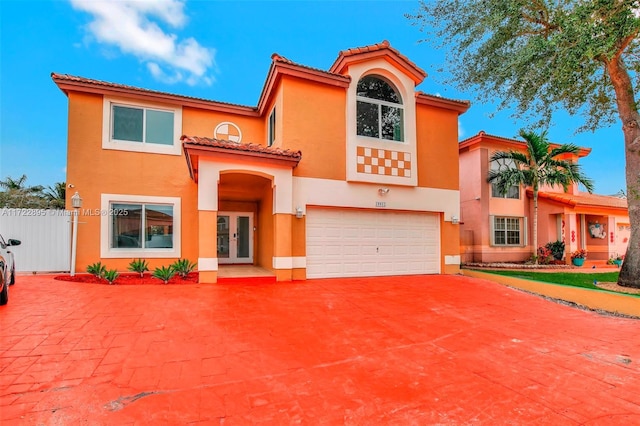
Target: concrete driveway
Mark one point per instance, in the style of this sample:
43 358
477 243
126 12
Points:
400 350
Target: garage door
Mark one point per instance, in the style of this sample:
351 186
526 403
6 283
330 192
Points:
360 243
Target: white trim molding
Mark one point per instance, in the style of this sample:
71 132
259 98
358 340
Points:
209 176
206 264
452 260
295 262
337 193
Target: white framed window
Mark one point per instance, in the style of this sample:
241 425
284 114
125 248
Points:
380 113
508 231
139 226
514 190
141 127
271 137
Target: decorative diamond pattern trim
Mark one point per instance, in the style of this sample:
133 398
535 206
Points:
383 162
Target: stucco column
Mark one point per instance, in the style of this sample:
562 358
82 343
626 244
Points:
209 177
207 246
299 247
611 237
572 235
282 254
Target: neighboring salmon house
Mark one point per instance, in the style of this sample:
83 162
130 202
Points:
340 173
498 227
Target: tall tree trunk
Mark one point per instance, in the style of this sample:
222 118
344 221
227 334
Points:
630 272
535 223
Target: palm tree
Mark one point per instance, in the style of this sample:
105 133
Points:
11 184
539 165
56 195
17 195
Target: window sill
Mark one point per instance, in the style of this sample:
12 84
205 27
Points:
141 253
143 147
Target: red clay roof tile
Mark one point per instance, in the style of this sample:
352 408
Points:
242 147
583 199
345 55
88 82
281 59
477 138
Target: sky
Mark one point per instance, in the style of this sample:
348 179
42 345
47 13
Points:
218 50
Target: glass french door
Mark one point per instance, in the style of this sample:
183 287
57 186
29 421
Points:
235 237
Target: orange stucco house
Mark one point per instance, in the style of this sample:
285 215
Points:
498 227
335 173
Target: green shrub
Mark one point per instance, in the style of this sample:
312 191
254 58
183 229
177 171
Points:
544 255
111 275
97 269
182 267
557 249
139 265
164 273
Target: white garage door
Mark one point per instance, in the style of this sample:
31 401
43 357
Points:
360 243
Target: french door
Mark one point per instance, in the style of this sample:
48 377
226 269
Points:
235 237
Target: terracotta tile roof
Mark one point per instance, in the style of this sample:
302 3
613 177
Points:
249 148
378 49
88 82
281 59
483 135
583 199
455 104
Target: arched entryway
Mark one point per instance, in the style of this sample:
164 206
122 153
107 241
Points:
245 218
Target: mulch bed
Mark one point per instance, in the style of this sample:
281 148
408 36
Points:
129 279
502 265
618 288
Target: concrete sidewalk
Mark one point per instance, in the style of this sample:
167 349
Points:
394 350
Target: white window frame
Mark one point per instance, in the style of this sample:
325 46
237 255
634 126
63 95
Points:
493 184
106 251
522 223
379 104
107 125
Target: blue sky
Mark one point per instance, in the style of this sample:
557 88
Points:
219 50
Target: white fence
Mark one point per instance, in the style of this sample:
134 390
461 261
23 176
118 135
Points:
45 237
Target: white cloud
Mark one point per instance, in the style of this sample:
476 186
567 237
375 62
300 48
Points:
134 26
461 131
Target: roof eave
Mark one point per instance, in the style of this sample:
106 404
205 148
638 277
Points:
514 143
193 149
87 87
459 106
575 203
380 50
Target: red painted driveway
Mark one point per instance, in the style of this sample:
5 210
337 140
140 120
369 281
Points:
401 350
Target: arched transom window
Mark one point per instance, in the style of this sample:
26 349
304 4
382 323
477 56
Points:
380 112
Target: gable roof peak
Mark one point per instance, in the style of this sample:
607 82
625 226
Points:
375 51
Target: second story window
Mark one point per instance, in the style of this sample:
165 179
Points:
379 110
272 128
133 124
514 190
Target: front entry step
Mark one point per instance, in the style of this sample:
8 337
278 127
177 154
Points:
247 280
228 274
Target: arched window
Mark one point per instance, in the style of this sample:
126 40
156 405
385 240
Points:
380 112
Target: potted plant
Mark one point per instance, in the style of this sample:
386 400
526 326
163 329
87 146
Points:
578 257
618 260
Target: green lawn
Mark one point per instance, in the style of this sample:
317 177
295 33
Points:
565 278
